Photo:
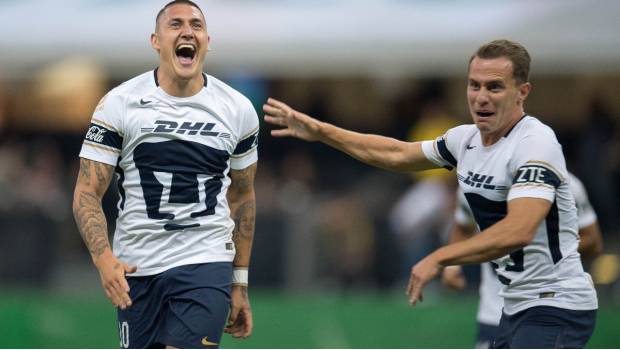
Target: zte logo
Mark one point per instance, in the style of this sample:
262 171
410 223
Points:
531 174
479 180
95 134
204 129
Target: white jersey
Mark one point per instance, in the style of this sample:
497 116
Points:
526 162
490 305
172 158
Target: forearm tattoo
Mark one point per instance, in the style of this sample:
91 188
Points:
243 214
87 209
244 179
244 218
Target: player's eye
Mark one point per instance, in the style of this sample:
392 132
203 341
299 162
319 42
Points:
495 87
197 25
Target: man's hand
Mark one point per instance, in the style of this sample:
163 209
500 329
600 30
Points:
240 322
452 277
112 272
296 124
421 274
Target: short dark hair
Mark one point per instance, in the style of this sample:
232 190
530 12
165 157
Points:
176 2
512 50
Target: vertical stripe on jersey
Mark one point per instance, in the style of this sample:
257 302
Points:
445 153
486 212
552 222
119 184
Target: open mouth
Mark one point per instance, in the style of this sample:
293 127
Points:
186 53
484 114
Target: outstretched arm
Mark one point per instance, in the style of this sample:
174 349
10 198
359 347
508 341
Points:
242 202
92 182
379 151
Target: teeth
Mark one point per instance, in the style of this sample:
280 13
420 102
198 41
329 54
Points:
185 46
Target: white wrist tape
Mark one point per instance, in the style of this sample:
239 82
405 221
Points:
240 276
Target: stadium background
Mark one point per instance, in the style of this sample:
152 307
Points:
331 252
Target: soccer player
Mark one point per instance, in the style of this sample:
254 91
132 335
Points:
184 147
490 305
512 170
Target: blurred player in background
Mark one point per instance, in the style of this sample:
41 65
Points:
490 305
512 170
184 147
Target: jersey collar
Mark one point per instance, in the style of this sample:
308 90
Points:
520 119
204 78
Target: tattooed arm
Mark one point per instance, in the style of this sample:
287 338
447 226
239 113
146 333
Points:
93 180
242 202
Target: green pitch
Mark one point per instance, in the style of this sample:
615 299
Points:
40 320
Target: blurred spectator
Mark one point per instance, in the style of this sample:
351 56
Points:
60 97
3 110
347 241
597 161
31 211
421 218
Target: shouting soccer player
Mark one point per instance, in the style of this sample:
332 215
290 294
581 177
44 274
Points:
513 173
184 147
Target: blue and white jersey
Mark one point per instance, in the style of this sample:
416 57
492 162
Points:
172 158
526 162
490 305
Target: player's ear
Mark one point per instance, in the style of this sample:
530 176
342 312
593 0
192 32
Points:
208 43
524 91
155 42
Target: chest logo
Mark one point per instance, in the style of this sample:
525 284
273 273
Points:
479 180
167 127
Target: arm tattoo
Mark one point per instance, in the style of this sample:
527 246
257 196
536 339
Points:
87 209
244 179
243 212
102 176
85 171
244 218
91 223
243 233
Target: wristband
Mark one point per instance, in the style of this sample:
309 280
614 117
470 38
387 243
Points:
240 276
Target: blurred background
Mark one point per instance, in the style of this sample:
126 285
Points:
334 239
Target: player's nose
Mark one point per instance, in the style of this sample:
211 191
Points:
186 31
482 98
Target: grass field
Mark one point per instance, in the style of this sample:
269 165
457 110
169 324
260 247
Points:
36 320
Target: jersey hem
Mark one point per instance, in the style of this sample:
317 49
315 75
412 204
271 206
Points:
511 310
158 270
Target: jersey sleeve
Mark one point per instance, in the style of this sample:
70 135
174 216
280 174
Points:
585 213
104 139
246 151
538 167
444 149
